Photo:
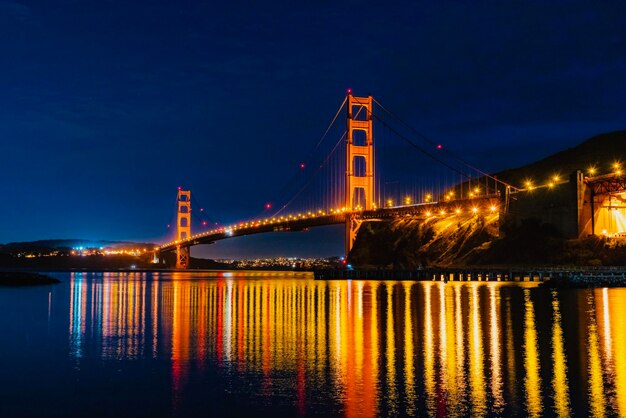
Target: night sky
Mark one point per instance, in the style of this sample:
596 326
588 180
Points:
108 106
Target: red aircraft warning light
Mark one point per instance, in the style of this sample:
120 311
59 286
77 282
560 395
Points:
439 146
268 206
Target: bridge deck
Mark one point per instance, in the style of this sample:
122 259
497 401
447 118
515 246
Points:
304 221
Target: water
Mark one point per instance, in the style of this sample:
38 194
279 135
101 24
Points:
273 344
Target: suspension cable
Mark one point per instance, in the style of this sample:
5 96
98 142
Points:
313 175
431 142
295 176
324 162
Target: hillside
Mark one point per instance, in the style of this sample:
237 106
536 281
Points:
67 244
409 243
599 151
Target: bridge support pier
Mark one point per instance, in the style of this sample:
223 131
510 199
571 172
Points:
182 257
352 228
183 227
359 163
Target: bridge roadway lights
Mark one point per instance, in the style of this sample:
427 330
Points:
489 204
352 228
359 186
182 257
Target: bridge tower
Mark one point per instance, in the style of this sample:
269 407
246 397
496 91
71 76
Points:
359 164
183 227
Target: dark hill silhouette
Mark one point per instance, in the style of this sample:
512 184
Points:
599 151
67 244
406 243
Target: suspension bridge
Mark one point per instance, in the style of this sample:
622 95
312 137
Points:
352 181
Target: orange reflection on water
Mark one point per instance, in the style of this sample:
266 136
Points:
510 354
617 310
477 377
409 366
495 332
372 348
390 352
460 392
429 357
78 307
559 359
117 315
532 382
596 384
443 349
603 331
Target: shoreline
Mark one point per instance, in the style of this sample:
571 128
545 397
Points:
575 277
444 268
551 277
20 278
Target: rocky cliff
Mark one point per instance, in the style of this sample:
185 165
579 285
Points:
406 243
472 240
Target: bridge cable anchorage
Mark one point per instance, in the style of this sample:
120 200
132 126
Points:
433 143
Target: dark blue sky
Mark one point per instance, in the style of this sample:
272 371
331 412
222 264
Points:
108 106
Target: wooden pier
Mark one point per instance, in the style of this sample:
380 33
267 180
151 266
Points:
583 275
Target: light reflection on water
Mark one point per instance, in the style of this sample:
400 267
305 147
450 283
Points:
559 360
287 343
532 382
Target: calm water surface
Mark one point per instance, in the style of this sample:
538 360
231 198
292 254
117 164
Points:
232 344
